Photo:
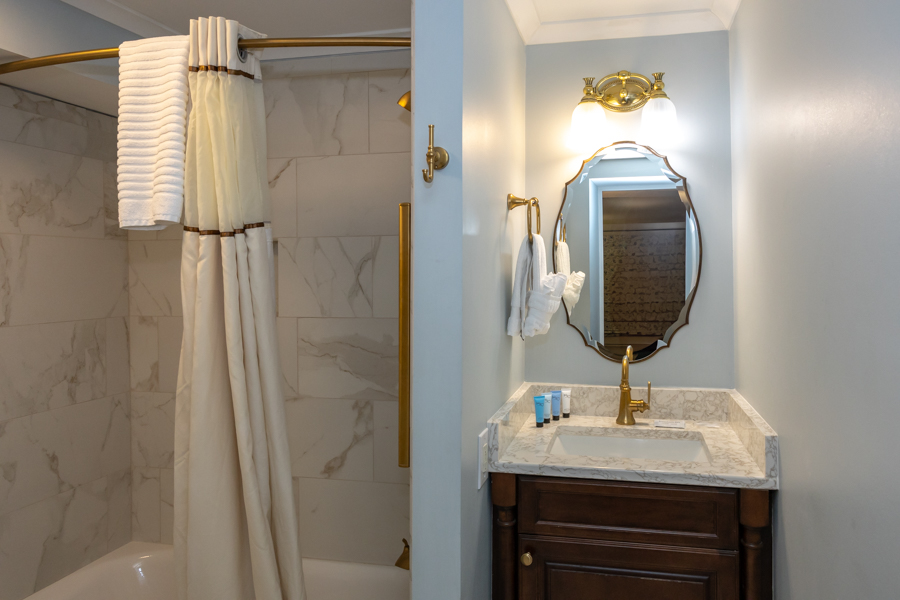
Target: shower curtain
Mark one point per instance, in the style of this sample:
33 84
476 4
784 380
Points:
235 525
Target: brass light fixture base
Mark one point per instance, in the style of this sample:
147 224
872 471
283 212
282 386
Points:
624 91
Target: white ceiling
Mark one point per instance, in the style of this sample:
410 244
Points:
555 21
275 18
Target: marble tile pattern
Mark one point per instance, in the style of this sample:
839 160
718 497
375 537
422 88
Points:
152 430
339 164
351 520
52 133
743 455
65 405
348 358
324 115
326 277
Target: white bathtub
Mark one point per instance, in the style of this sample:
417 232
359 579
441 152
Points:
141 571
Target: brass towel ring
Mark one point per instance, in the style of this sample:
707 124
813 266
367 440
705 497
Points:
513 201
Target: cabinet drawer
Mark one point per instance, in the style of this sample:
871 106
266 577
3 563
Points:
589 570
668 515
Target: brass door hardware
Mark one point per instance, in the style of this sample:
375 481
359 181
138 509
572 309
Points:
403 561
513 201
627 406
527 559
405 311
437 157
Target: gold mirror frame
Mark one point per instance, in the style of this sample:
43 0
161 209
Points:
689 301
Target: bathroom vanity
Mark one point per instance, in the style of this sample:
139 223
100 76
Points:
585 508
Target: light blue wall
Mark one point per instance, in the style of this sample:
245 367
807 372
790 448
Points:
437 272
469 82
493 166
696 67
817 278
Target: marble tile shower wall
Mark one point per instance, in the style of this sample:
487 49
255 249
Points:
65 436
339 164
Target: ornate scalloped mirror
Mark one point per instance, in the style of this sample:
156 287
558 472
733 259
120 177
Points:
628 238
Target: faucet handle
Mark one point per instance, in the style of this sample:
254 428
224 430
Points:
647 403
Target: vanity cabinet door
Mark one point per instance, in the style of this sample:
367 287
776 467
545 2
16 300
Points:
568 569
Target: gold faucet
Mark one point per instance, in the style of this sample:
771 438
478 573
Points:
627 406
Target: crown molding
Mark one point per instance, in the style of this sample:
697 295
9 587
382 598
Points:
126 18
718 17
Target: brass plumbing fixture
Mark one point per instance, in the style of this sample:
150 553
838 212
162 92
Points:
406 101
513 201
436 157
627 406
403 561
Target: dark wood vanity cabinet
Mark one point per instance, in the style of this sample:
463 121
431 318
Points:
575 539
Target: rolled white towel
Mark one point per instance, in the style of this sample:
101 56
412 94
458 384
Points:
153 96
572 293
574 280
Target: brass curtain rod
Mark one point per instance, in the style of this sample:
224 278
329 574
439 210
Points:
70 57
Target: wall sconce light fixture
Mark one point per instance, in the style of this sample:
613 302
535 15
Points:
624 92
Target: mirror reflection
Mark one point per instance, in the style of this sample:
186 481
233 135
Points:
628 239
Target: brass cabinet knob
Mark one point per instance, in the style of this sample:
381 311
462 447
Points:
527 559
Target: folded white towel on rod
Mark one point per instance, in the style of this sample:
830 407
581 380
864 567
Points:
153 97
521 284
574 280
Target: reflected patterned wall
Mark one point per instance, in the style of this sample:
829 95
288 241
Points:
643 282
65 437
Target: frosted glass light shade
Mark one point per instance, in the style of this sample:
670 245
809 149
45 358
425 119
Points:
659 121
588 125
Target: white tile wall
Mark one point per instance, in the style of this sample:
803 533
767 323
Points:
354 521
317 116
351 195
65 432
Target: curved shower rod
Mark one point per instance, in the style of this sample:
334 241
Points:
70 57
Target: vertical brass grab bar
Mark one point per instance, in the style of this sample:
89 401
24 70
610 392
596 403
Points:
405 308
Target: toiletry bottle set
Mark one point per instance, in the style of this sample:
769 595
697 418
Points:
548 406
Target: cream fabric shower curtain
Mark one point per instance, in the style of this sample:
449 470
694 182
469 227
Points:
235 525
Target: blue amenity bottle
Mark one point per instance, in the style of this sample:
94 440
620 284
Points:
557 398
539 410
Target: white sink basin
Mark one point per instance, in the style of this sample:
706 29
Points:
617 446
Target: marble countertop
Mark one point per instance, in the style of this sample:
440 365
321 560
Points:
741 448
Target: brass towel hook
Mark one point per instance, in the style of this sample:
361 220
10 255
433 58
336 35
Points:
436 157
513 201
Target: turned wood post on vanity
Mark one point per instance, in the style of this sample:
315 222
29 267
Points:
574 539
756 545
505 536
